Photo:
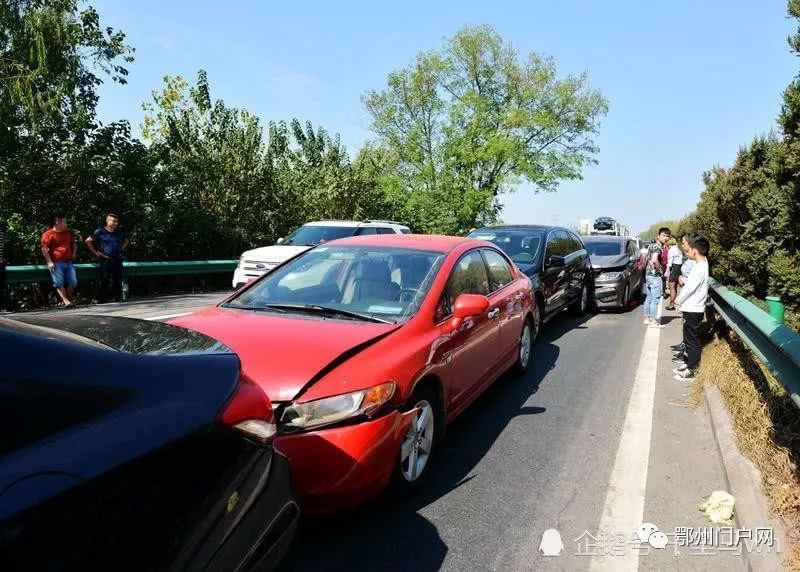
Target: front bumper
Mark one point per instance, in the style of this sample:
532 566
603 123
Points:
342 467
243 275
609 294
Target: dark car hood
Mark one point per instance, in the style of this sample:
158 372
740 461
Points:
612 261
126 334
285 354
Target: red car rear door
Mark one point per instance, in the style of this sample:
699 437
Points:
506 301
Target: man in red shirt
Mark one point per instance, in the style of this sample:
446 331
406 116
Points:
59 248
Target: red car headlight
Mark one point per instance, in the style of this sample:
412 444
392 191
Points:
328 410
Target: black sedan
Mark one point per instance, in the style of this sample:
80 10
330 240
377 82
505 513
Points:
134 445
618 270
555 260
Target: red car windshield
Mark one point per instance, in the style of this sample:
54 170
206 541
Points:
374 282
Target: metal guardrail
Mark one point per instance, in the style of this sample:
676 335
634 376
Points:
776 346
40 272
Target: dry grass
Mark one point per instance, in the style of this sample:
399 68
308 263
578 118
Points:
767 425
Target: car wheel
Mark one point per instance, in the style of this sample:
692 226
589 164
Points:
525 352
419 444
581 305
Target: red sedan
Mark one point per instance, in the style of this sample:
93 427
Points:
368 346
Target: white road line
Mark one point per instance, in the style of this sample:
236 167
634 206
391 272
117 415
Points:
624 508
166 316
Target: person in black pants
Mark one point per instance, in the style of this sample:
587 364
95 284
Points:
108 244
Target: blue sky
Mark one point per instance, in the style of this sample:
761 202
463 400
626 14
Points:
688 82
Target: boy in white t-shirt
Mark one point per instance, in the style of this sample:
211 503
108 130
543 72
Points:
692 303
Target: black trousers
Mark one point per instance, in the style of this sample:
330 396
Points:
110 279
691 337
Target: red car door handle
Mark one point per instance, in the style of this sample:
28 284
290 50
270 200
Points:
493 313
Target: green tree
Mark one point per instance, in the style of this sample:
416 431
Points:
465 123
51 53
53 155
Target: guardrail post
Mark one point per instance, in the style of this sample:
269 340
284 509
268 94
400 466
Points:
777 309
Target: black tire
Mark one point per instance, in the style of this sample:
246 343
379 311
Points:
581 306
400 483
524 361
626 297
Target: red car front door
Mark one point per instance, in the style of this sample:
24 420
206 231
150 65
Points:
472 350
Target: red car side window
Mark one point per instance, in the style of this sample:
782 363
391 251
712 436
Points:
468 277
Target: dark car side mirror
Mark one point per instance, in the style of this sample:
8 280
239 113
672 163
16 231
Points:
466 306
556 261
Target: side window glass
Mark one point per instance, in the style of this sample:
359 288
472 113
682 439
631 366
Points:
564 245
576 243
500 274
552 245
366 230
384 230
468 277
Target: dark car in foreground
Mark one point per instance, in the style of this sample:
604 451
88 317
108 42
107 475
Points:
555 260
133 445
618 270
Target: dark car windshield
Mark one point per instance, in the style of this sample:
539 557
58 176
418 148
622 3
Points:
377 283
312 235
522 246
603 248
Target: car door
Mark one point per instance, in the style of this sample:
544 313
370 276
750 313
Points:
506 299
634 266
576 264
472 350
555 278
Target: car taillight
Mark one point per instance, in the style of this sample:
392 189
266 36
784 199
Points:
250 411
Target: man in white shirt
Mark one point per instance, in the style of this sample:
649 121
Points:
692 303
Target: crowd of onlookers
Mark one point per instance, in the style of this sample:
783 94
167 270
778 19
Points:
683 267
59 247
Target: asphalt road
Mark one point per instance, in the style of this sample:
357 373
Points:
533 453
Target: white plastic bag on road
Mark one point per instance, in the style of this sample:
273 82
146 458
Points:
719 507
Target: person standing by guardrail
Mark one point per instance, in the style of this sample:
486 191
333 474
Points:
108 244
692 303
59 248
654 274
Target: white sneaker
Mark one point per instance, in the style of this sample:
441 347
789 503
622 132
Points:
684 375
647 321
680 369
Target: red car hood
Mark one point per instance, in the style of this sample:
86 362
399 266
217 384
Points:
282 353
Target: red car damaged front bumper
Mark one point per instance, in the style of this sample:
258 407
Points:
342 467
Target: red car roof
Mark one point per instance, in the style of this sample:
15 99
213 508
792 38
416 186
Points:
439 243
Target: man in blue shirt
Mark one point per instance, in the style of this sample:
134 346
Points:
108 243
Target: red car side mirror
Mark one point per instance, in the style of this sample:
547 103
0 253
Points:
467 306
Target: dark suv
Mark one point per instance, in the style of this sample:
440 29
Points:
555 260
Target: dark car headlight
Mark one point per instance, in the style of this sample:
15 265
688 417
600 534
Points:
329 410
609 276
